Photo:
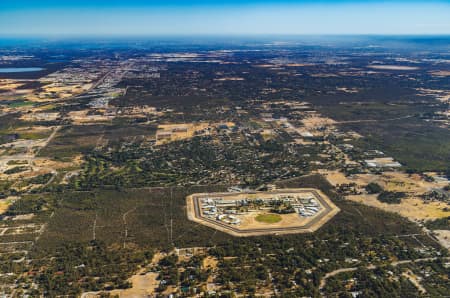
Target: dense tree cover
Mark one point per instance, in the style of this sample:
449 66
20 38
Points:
391 197
41 179
5 188
16 170
297 264
192 276
371 283
373 188
86 266
67 260
434 276
434 195
391 281
439 224
73 140
29 204
188 162
292 264
417 145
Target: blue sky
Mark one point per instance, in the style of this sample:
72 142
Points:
197 17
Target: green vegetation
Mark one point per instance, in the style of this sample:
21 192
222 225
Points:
434 276
382 111
438 224
21 103
93 266
391 197
41 179
416 145
17 162
126 200
371 283
137 166
71 141
268 218
358 231
34 135
74 140
373 188
5 188
29 204
16 170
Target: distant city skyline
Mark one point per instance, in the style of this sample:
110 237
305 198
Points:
203 17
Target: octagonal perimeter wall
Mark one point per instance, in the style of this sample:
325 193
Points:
194 214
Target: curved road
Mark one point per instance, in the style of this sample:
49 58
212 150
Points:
323 281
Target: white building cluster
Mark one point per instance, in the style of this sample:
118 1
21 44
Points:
229 210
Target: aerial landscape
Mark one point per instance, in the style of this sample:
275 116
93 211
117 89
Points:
184 163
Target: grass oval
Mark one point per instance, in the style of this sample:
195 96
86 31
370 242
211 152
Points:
268 218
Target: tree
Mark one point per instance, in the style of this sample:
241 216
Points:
373 187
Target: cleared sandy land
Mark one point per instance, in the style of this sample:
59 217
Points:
443 237
264 65
144 284
335 177
210 262
82 117
298 64
441 95
348 90
268 134
3 207
412 208
440 73
402 183
174 132
393 67
56 92
290 223
40 116
314 123
397 181
230 79
316 120
4 204
48 163
390 181
7 84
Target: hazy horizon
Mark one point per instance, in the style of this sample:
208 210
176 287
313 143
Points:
227 18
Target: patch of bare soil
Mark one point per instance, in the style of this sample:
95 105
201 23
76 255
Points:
413 208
